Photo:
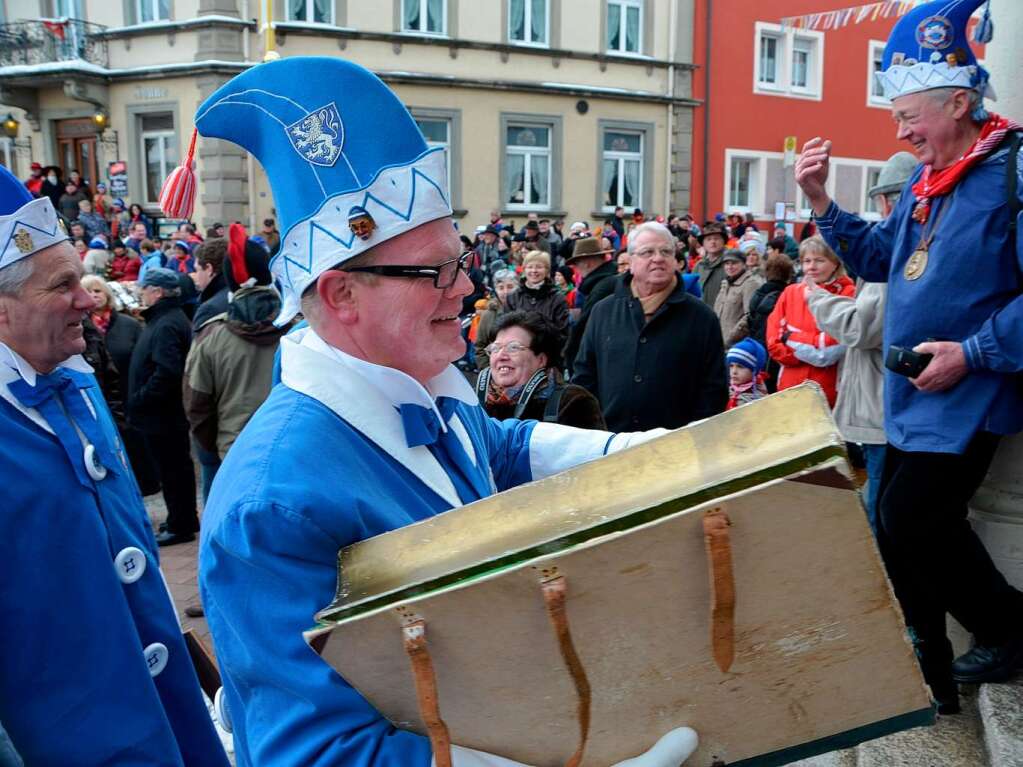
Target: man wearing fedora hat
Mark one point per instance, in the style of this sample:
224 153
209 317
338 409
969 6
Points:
711 266
590 260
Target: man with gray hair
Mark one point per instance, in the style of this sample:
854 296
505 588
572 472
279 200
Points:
154 403
652 353
952 260
78 545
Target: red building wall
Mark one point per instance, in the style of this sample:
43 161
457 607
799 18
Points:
735 117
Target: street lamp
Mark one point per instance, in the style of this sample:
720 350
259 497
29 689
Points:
11 126
100 118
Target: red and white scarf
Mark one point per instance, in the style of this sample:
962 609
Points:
936 183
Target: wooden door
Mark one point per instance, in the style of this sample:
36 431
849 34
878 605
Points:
76 148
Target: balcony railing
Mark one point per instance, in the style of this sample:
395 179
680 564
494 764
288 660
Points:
51 40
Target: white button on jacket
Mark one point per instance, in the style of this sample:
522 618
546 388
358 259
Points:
130 564
93 467
156 657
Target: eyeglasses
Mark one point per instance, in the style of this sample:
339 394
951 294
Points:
513 347
651 252
443 274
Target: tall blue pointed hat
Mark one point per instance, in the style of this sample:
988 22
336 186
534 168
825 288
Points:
27 225
929 48
331 137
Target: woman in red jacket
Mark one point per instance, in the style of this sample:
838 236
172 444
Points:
793 338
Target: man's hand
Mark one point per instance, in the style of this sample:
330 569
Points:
812 173
946 369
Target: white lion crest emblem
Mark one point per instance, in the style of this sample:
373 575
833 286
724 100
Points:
318 136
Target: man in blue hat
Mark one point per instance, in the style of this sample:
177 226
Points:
93 666
950 243
372 427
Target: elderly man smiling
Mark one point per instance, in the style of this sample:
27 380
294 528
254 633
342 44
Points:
952 263
372 427
93 667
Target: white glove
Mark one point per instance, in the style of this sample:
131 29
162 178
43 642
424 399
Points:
820 358
670 751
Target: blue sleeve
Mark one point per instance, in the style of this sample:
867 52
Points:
866 248
262 571
998 345
508 448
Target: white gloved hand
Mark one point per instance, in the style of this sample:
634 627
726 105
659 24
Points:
670 751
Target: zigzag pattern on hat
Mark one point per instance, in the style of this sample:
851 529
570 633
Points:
399 196
900 80
37 216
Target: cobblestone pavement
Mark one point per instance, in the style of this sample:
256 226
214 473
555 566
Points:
179 565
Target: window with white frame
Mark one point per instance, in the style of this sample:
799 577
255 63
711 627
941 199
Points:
624 26
428 17
740 183
875 58
528 22
159 144
788 62
314 11
622 171
870 207
152 10
437 132
527 166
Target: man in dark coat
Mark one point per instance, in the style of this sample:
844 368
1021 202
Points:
154 404
653 354
589 259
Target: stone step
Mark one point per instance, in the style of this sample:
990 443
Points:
1001 711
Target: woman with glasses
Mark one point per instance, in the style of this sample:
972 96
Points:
524 379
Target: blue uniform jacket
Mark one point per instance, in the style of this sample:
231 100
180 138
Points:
300 483
79 635
971 292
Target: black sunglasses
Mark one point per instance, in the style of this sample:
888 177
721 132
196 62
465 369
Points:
443 274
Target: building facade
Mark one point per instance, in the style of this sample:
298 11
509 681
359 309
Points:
761 83
562 107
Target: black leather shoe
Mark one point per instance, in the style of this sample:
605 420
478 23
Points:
167 538
986 663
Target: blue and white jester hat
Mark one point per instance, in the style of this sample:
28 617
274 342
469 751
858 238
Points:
331 136
928 49
26 225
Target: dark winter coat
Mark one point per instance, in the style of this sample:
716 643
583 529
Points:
546 300
577 407
212 301
157 366
591 294
761 304
666 372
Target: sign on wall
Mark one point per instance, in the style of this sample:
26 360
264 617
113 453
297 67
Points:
117 174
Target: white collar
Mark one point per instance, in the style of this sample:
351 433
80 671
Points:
368 396
28 373
395 385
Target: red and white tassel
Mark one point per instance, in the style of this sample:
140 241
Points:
177 198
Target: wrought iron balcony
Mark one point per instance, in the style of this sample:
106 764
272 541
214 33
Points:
51 40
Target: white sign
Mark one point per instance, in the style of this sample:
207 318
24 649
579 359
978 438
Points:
150 92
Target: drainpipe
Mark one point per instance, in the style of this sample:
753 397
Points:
249 162
706 108
673 20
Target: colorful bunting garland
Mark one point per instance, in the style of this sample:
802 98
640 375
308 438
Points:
855 15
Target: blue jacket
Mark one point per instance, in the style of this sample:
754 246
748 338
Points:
301 482
75 687
971 292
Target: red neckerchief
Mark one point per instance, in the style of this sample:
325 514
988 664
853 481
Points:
936 183
101 319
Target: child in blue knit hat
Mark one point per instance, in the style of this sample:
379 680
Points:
746 361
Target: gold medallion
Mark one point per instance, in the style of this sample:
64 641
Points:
916 265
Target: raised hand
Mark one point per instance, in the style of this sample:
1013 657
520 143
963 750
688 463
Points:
812 172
